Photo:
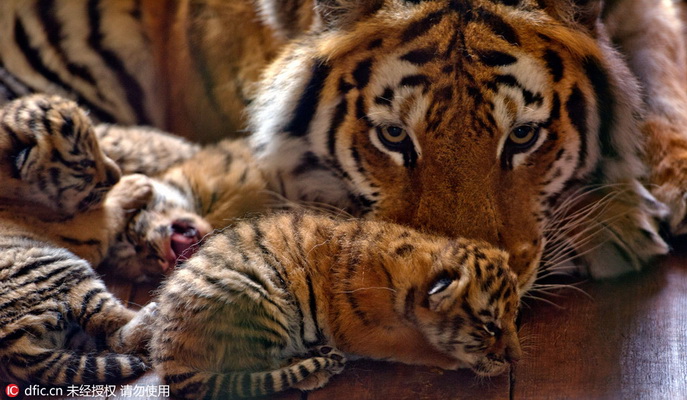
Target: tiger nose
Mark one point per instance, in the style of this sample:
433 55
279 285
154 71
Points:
112 174
513 352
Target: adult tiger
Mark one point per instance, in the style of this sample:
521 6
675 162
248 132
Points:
515 122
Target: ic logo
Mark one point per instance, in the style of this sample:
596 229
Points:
12 390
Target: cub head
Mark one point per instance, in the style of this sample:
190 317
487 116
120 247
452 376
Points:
469 305
50 157
163 233
468 118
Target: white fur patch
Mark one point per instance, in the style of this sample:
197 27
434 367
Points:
388 74
510 108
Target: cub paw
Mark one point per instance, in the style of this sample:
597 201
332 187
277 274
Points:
333 354
314 381
133 337
132 192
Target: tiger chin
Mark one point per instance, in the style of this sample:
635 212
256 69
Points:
283 301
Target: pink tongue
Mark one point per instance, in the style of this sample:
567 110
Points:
181 245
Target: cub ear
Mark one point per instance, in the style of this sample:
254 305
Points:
444 291
343 13
287 18
579 13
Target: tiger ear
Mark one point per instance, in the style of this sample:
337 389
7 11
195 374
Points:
578 13
588 12
444 291
343 13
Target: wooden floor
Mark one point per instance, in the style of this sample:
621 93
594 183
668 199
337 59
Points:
621 339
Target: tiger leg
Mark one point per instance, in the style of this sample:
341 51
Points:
34 352
97 311
130 194
101 314
307 374
652 35
31 363
134 336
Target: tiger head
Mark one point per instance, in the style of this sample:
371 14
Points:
472 118
470 308
454 300
161 234
51 160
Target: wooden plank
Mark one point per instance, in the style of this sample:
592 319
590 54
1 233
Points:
628 341
364 379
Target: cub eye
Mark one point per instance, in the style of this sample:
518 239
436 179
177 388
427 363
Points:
523 137
20 159
492 329
440 285
87 164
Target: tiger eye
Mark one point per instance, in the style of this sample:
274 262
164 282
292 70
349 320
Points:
523 135
394 134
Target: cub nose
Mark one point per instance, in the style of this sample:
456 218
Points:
513 352
112 174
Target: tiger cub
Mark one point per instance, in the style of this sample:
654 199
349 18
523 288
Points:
158 236
193 190
196 189
281 302
59 208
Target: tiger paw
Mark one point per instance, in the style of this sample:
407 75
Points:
626 235
133 337
132 192
667 160
329 361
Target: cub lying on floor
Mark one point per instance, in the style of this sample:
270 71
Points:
56 220
275 303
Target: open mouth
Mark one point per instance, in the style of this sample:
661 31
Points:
185 236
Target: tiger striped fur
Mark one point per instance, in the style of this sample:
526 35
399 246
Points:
281 301
50 154
501 121
185 203
515 122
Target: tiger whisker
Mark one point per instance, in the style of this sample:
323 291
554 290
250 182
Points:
368 288
529 295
